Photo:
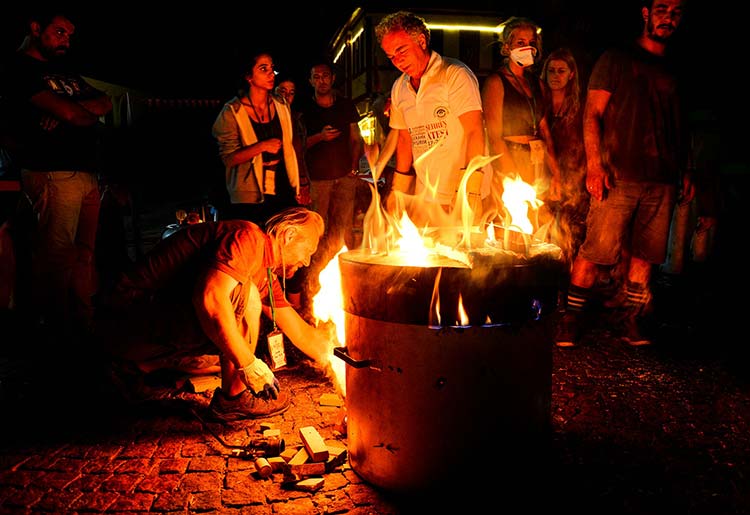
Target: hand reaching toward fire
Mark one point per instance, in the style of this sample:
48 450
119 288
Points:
259 378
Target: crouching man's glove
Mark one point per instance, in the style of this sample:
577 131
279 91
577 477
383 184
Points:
259 378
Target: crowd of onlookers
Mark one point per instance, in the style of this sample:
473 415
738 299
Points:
625 169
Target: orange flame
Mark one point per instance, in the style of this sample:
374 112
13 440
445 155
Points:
518 196
328 306
463 317
445 231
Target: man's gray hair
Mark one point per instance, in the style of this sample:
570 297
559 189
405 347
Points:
402 20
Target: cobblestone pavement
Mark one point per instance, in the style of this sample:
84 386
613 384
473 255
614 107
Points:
664 429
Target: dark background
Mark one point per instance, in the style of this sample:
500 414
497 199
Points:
194 49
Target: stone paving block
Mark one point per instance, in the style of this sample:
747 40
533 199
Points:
195 450
68 465
99 466
208 463
159 483
238 479
57 480
139 450
248 493
172 465
57 501
19 478
170 448
74 451
205 501
43 461
122 483
94 501
202 481
104 451
172 501
301 506
24 497
137 466
333 501
334 481
12 458
88 482
140 502
235 464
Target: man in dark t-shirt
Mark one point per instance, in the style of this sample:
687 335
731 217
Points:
636 158
52 127
332 151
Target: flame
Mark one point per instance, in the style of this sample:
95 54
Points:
412 245
439 232
435 301
463 318
328 306
518 196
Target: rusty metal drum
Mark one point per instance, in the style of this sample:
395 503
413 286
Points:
423 400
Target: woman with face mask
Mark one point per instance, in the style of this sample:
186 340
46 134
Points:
514 110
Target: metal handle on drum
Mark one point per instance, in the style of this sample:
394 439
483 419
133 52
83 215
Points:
342 353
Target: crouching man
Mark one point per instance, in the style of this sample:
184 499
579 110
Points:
203 289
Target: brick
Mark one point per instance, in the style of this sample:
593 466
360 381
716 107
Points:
310 485
337 456
299 457
198 384
308 469
289 453
314 443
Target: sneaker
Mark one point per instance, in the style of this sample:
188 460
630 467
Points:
246 406
568 332
631 333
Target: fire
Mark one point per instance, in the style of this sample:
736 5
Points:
463 317
412 245
518 196
443 232
328 306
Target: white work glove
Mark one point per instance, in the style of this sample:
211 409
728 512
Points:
259 378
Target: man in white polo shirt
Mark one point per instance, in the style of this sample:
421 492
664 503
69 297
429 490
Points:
436 107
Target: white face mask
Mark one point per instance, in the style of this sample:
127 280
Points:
523 56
